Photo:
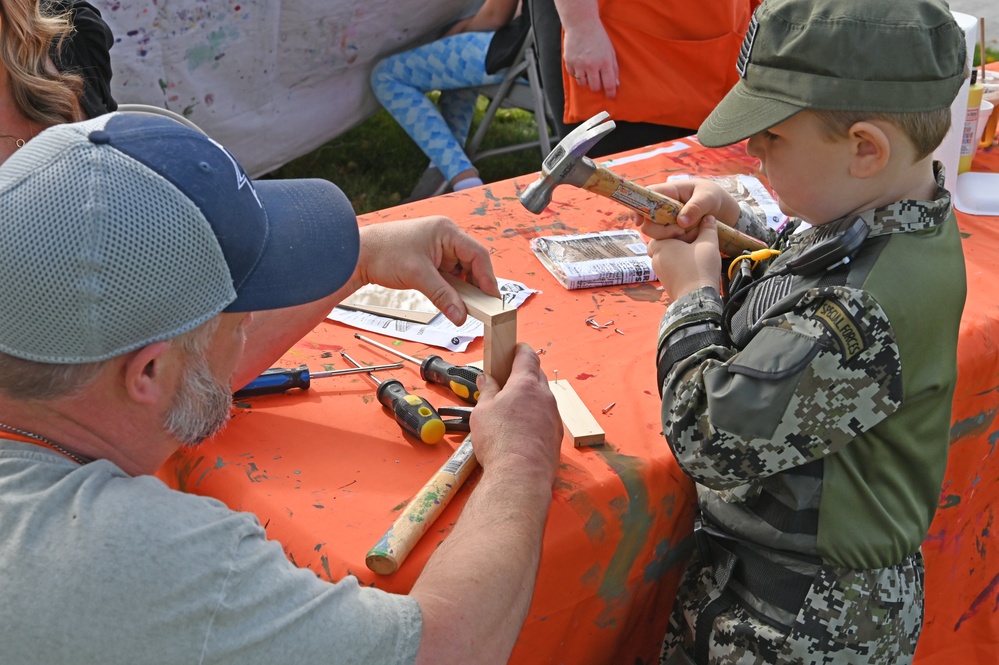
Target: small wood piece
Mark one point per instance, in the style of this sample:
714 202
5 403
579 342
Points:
579 423
499 328
498 349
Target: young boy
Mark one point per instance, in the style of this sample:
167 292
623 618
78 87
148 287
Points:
812 407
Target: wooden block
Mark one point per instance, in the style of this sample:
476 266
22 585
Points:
498 349
499 328
579 423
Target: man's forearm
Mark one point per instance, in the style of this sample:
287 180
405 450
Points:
477 587
272 332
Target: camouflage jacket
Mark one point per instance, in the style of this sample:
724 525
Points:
815 419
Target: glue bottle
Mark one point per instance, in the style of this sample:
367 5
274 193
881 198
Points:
969 138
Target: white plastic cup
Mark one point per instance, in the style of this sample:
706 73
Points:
985 112
949 151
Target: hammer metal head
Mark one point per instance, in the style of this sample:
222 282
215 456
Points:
564 161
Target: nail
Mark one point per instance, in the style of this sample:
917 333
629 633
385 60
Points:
608 407
618 331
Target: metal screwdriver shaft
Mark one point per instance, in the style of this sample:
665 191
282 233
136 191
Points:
281 379
459 380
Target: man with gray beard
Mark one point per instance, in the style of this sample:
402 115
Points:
144 277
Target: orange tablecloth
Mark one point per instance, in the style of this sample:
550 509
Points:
962 559
328 470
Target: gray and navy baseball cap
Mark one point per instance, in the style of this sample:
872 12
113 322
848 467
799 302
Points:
129 229
885 56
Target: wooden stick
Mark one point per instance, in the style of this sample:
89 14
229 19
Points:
393 548
580 425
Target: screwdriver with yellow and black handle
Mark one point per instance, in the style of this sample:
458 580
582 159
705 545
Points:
283 379
413 413
460 380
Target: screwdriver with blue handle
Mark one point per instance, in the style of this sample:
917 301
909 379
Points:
460 380
282 379
413 413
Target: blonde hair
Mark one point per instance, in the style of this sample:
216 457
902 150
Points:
924 129
42 93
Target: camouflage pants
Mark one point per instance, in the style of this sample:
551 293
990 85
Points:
849 616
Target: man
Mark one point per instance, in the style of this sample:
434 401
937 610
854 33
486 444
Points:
134 251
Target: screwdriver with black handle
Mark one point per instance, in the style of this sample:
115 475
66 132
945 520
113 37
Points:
282 379
460 380
413 413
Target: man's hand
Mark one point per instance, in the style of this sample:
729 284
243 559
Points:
475 590
520 424
411 254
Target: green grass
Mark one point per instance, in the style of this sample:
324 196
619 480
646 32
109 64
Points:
377 165
990 55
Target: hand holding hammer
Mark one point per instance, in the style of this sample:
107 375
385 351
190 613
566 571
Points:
568 164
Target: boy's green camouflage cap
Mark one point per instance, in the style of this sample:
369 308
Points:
864 55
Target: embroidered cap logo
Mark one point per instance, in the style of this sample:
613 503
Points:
241 177
747 47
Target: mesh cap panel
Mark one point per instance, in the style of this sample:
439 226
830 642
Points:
112 277
129 229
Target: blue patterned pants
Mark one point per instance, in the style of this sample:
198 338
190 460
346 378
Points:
451 65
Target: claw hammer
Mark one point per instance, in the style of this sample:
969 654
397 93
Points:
568 164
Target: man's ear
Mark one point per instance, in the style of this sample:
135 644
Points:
146 373
871 149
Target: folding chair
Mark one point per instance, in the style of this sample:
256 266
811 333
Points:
514 92
520 88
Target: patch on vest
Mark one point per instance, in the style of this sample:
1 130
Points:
844 329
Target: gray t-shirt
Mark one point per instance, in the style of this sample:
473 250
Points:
99 567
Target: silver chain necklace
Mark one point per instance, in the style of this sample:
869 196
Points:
37 437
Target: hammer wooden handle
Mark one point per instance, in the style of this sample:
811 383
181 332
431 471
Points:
393 548
662 209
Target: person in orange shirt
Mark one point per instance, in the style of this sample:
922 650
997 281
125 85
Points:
658 67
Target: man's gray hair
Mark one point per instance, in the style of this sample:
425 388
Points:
29 380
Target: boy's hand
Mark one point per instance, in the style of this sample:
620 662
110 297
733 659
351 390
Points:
685 256
700 198
685 264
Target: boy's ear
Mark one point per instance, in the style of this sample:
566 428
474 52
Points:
145 373
871 149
